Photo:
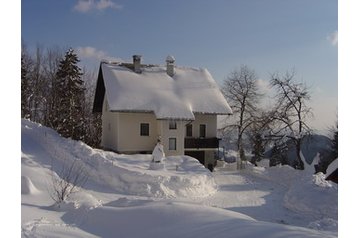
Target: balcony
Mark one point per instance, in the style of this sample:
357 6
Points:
205 143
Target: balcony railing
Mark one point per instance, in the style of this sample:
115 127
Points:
196 143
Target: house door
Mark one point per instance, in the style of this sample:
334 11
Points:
199 155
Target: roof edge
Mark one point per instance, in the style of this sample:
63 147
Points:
99 93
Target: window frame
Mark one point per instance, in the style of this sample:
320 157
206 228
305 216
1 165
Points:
171 123
200 130
142 129
191 130
175 144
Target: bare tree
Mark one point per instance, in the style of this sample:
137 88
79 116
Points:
50 65
93 121
26 89
242 93
38 84
68 180
257 131
291 112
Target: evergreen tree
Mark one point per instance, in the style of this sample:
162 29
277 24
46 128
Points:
93 123
335 142
255 134
25 85
68 118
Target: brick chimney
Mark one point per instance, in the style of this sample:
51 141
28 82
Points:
170 65
136 63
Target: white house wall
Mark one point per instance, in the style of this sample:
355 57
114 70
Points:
121 131
130 139
167 133
211 125
109 128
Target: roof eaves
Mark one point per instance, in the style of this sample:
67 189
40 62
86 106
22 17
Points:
100 92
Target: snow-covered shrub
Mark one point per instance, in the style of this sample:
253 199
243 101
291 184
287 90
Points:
68 181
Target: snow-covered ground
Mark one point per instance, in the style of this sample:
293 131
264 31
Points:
126 196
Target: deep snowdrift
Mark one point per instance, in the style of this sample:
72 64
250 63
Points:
126 174
123 198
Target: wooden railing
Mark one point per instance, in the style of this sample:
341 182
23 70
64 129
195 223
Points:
196 143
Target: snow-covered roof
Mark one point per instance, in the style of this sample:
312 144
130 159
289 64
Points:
189 91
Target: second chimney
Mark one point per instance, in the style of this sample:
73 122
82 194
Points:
136 63
170 65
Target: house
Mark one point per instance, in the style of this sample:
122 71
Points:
141 103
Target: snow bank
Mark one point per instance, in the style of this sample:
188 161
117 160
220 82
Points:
173 219
280 174
127 174
325 224
307 194
314 196
121 197
27 187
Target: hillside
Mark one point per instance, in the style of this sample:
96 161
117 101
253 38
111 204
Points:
126 197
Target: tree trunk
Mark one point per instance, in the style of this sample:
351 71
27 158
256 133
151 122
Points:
301 165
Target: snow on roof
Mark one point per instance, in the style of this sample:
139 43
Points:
189 91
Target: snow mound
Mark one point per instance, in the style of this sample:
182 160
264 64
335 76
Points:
156 166
79 200
274 174
183 176
175 219
314 196
27 187
325 224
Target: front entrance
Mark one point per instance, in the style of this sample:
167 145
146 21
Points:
199 155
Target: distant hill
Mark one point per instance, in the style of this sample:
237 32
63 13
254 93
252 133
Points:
310 147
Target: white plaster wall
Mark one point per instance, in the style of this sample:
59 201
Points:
129 138
211 125
109 128
166 133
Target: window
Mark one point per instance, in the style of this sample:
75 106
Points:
144 129
189 130
172 144
172 125
202 132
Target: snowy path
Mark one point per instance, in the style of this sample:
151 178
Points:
254 197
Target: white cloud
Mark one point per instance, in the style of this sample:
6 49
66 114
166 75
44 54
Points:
83 5
263 85
89 5
333 38
89 52
103 4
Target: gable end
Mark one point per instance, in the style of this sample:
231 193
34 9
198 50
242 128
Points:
100 91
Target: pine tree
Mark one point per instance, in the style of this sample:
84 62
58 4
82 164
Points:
68 118
335 142
25 86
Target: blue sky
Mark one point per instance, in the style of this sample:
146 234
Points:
266 35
